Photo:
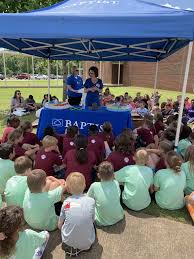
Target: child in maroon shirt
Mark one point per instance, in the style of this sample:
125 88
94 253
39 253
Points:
68 139
16 138
122 156
107 134
49 131
49 158
145 133
96 144
12 124
80 160
158 125
28 136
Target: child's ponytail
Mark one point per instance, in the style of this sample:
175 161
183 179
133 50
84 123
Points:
81 144
174 161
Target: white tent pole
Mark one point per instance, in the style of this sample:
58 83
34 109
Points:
156 79
100 69
28 71
80 68
33 69
4 67
119 71
189 55
49 80
57 72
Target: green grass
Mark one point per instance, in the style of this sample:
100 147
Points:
6 94
30 83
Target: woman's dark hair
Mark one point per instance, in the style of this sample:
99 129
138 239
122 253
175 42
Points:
15 94
81 143
12 221
72 131
5 150
31 97
49 131
93 130
185 132
124 143
26 125
13 122
107 127
95 70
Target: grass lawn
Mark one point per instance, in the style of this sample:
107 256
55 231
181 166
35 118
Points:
6 94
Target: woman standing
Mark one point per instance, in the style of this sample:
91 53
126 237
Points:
17 100
93 87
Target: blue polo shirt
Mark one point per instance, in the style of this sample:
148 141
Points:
76 83
93 97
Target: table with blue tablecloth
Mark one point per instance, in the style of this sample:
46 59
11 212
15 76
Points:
60 119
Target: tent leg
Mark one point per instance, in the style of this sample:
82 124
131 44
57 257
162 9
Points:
183 92
49 80
119 71
33 70
57 72
4 67
156 79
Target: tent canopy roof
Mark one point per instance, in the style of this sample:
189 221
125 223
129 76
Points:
106 30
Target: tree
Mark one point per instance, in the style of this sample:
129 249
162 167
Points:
11 6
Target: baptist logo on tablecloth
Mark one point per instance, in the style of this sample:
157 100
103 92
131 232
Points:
57 122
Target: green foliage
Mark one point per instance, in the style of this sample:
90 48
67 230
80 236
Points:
11 6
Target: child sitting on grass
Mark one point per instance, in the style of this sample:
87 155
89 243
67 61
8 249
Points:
106 194
138 180
169 184
15 242
49 158
39 209
107 134
77 217
69 139
29 137
6 165
12 124
188 169
185 140
16 186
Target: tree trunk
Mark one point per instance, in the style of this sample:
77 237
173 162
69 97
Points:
65 73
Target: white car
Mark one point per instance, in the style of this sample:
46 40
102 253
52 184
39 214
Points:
42 77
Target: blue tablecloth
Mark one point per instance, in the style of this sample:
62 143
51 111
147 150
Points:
61 119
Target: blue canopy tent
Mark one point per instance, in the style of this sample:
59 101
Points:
99 30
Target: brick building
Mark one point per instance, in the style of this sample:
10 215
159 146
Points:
170 73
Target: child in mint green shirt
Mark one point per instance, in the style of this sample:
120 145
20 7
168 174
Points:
137 179
21 244
39 209
186 138
106 194
16 186
6 165
188 169
170 183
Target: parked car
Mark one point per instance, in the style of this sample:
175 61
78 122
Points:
42 77
23 76
2 76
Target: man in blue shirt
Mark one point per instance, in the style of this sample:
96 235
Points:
74 85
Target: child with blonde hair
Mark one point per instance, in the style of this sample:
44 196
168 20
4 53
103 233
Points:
169 183
49 158
138 180
188 169
77 217
39 210
15 242
106 194
16 186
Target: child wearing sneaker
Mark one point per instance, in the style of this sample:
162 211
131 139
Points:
77 217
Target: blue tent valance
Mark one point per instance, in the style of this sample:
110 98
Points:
99 30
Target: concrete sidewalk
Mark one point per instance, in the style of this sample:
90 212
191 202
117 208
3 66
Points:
138 236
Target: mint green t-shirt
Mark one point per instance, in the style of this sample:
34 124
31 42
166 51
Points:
182 146
39 210
189 177
6 172
171 193
137 180
28 242
15 190
108 210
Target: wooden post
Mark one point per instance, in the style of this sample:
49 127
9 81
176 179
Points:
65 73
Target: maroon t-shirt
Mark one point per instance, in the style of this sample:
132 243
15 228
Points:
120 160
146 135
46 161
161 164
72 165
19 151
68 144
159 126
96 144
30 138
60 142
108 137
